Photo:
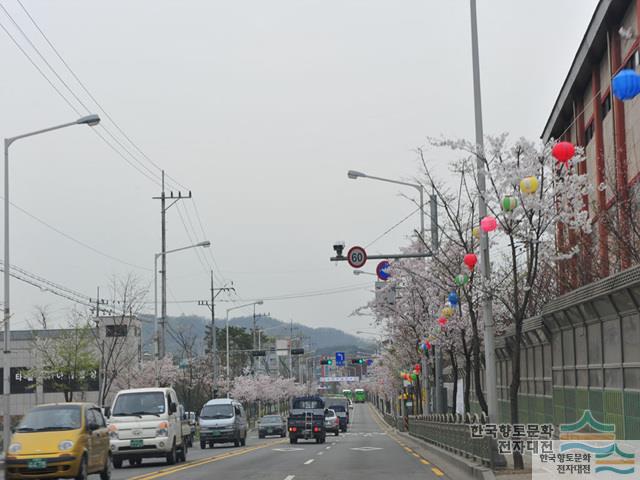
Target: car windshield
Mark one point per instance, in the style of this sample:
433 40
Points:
308 404
58 417
271 419
338 408
139 403
217 411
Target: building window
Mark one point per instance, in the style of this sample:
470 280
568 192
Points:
606 107
116 330
588 133
632 63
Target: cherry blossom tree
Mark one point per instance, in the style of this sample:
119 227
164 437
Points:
141 375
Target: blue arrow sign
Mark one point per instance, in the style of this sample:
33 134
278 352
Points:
382 270
340 359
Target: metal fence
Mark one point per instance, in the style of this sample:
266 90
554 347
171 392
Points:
453 433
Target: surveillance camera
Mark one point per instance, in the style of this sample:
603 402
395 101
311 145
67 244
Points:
339 248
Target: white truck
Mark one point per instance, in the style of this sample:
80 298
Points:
146 423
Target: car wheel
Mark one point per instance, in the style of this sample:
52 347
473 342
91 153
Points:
211 444
105 474
171 456
82 473
117 463
337 433
293 440
182 457
243 440
203 444
260 435
236 443
282 435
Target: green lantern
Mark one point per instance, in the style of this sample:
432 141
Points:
462 279
414 377
509 203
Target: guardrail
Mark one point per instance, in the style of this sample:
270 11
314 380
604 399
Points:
452 432
395 422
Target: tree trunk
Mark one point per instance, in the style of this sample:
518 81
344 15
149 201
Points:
518 462
467 382
476 374
454 367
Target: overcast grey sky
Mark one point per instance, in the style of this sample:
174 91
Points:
259 107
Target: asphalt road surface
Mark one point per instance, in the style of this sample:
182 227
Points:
367 451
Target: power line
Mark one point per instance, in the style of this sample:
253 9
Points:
389 230
75 240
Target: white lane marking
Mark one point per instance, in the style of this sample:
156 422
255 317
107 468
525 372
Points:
308 462
328 448
320 453
289 477
365 449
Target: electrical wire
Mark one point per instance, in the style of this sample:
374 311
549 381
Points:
389 230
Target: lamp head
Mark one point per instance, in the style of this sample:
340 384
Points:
205 244
91 120
259 302
354 174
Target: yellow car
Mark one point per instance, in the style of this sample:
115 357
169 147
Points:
62 440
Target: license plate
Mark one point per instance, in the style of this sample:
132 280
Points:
215 432
136 443
36 464
269 430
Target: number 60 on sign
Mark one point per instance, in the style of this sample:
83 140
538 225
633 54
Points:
357 257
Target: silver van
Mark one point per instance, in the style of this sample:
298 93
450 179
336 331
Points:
223 420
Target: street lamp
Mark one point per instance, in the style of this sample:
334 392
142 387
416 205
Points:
92 121
258 302
157 344
362 272
354 175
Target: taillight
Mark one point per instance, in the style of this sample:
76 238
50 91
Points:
293 429
316 429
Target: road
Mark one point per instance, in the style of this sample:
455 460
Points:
369 451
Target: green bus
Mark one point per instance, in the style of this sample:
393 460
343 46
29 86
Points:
347 393
361 396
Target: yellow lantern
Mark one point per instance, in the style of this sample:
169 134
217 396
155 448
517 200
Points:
476 232
447 312
529 185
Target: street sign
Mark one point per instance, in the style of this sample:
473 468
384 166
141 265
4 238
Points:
357 257
297 351
369 362
340 359
382 270
259 353
339 379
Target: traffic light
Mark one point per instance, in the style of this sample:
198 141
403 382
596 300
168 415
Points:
259 353
297 351
326 362
357 361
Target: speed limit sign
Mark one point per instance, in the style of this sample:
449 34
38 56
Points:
357 257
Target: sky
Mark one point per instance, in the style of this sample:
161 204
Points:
259 108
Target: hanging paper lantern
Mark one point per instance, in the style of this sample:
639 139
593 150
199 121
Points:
529 185
476 232
461 279
509 203
488 224
453 298
626 84
470 260
447 312
442 321
563 152
428 345
418 368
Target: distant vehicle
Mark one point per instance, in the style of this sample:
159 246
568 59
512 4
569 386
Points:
331 422
193 422
223 420
272 425
347 393
360 395
340 405
306 419
74 437
186 427
146 423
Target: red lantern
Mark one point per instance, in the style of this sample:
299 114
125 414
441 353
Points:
470 260
442 321
428 345
563 152
488 224
417 368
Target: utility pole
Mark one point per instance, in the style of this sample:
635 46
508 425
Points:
163 278
213 341
487 308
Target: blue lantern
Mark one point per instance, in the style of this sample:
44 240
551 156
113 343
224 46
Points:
626 84
453 299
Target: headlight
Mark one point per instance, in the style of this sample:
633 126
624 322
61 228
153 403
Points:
162 430
15 448
65 445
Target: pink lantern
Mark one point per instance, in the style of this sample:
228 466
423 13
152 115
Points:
488 224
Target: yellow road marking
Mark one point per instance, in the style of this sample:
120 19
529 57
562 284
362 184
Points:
391 434
198 463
